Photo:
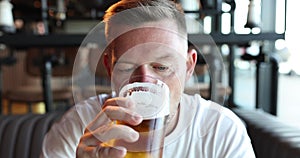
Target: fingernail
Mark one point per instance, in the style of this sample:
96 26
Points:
122 151
129 103
137 118
134 136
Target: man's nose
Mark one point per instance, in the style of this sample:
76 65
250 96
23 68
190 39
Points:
142 73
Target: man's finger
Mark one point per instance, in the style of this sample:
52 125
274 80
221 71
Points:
112 152
123 114
115 131
119 101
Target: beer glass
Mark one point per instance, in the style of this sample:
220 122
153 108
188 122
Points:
153 104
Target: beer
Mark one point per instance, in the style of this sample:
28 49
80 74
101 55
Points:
153 104
150 142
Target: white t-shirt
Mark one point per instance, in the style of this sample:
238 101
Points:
205 129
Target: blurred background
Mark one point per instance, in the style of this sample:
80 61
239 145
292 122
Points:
259 66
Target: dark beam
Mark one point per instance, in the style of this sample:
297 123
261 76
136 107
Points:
61 40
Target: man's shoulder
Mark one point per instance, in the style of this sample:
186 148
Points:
210 115
208 108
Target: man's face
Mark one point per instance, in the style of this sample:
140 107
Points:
150 52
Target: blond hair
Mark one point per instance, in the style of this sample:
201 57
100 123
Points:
138 12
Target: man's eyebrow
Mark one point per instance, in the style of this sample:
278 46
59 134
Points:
166 57
121 62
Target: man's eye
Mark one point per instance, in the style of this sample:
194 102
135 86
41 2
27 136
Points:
161 68
124 67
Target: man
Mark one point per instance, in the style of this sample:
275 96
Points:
148 38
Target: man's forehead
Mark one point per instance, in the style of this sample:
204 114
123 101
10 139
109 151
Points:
162 32
150 34
150 49
149 38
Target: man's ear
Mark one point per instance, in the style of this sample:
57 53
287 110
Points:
191 63
107 63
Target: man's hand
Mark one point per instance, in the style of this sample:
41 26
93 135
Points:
103 129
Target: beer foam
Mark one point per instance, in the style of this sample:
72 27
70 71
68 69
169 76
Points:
152 99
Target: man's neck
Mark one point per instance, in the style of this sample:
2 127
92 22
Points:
173 120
